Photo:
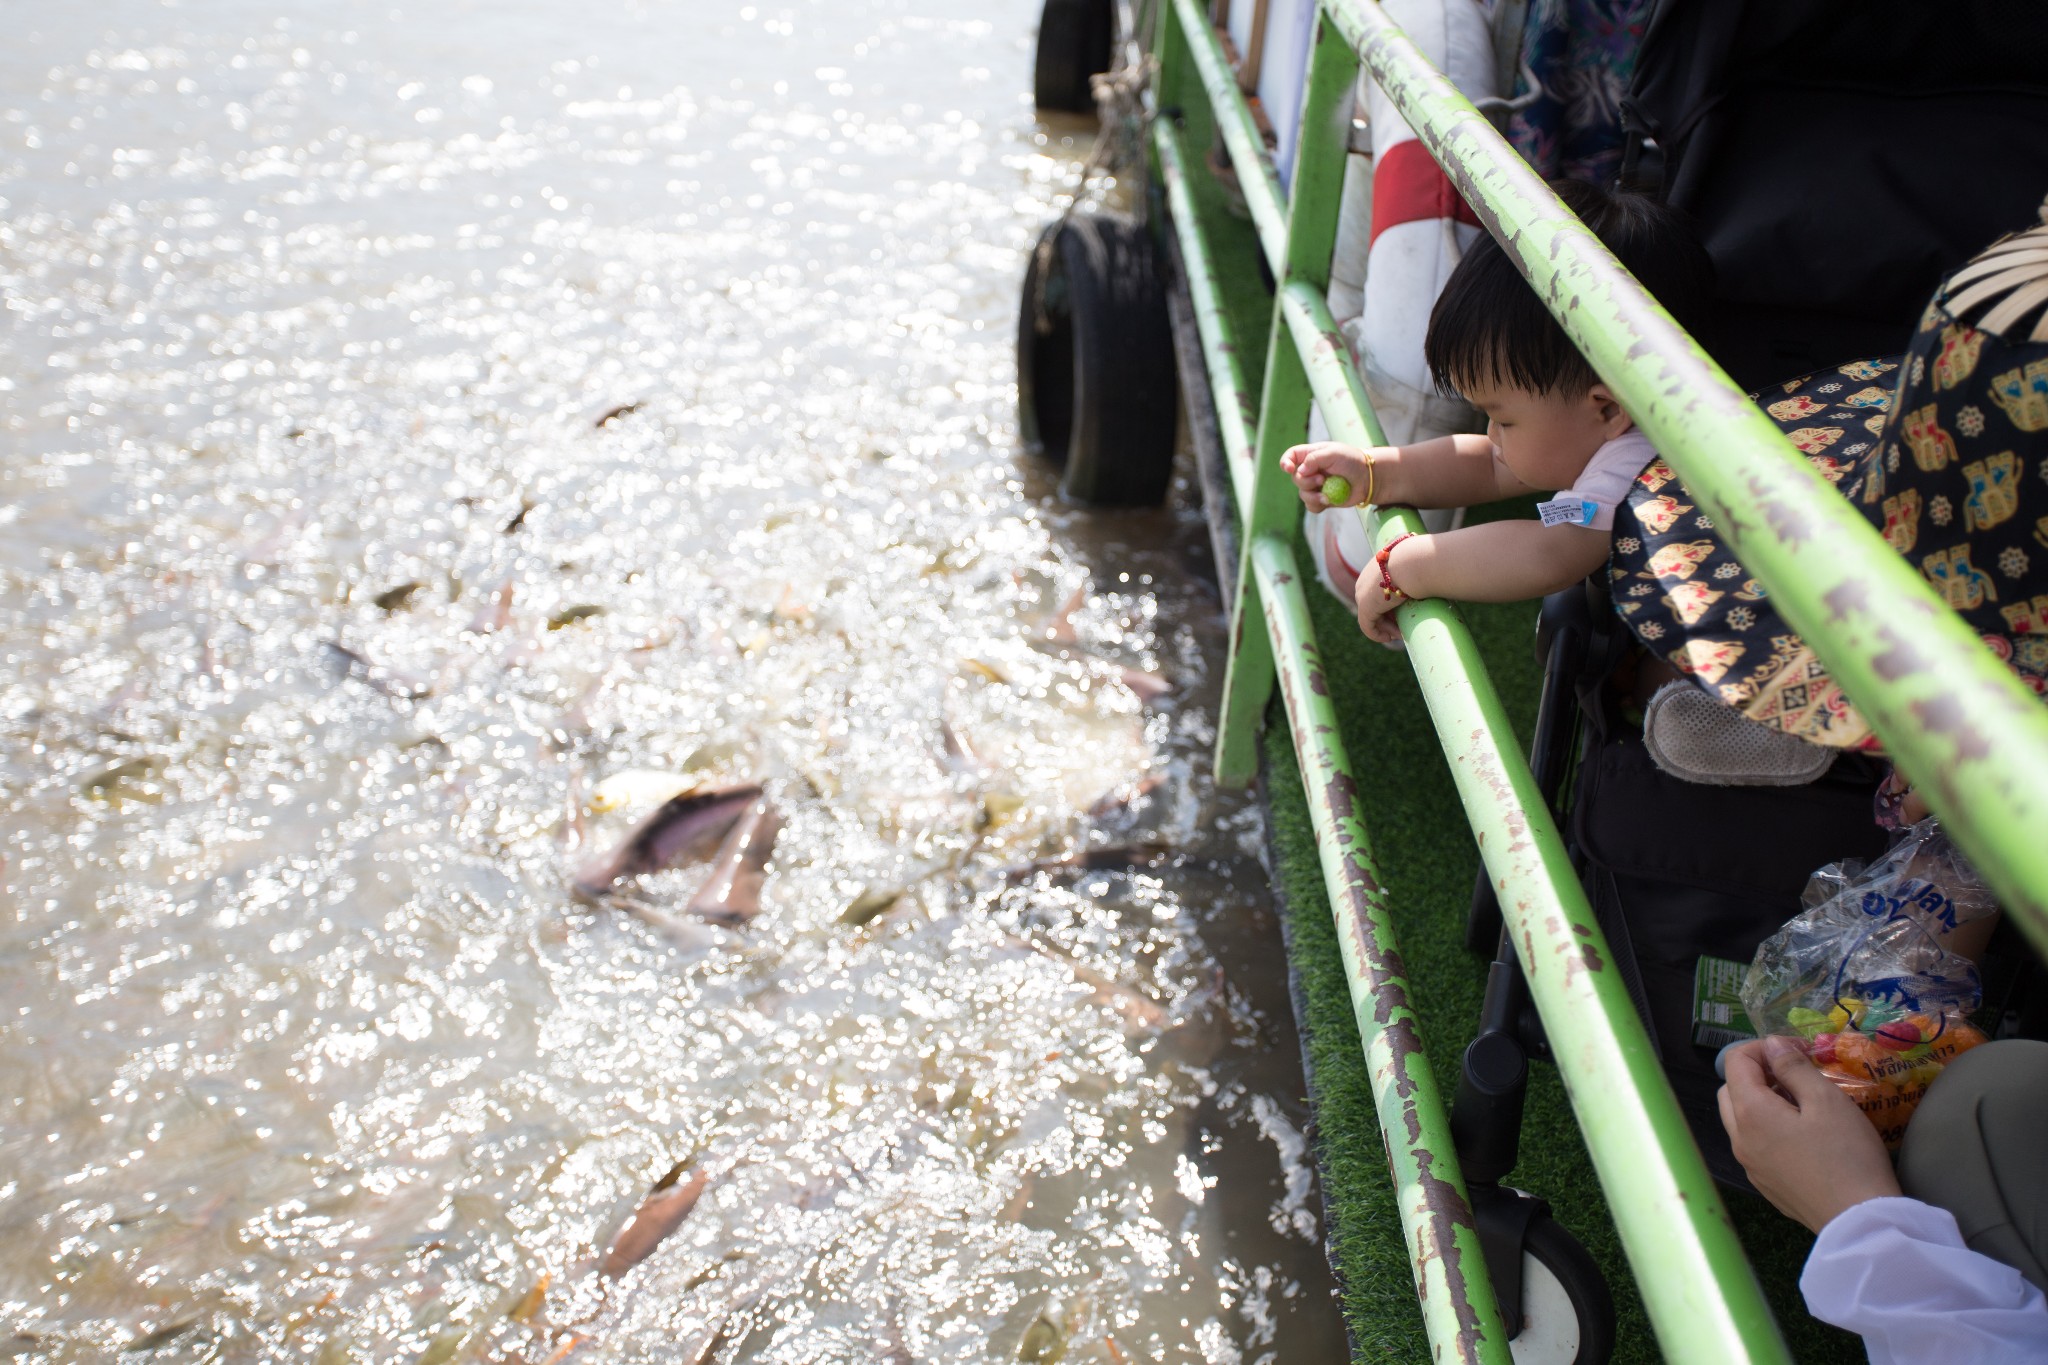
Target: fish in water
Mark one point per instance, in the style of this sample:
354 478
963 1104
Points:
959 750
397 686
138 779
1138 1010
1045 1338
1121 800
1108 858
732 894
1024 1198
529 1304
981 668
569 616
575 828
636 786
1143 685
685 826
1061 631
496 614
690 936
446 1345
877 900
611 415
713 1341
161 1337
659 1214
394 599
871 903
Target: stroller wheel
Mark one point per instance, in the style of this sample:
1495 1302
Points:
1567 1311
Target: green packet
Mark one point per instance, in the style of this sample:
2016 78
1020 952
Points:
1718 1018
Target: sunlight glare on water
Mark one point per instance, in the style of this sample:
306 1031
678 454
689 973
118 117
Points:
417 417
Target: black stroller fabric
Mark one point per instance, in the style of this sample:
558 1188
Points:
1676 870
1692 603
1840 157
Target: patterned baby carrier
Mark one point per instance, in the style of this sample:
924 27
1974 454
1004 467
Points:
1944 450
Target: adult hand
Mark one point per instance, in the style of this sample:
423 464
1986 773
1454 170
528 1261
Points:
1807 1147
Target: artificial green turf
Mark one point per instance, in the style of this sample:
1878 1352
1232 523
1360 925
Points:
1428 860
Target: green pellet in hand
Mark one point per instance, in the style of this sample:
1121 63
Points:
1337 490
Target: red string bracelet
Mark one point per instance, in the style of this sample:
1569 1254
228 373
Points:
1388 589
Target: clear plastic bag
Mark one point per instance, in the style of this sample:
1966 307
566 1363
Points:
1863 982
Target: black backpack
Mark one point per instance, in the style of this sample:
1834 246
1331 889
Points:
1839 157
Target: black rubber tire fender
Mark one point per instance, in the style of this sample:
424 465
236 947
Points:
1075 41
1096 386
1045 353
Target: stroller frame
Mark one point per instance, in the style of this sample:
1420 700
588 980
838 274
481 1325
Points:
1912 666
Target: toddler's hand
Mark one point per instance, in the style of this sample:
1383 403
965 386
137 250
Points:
1376 609
1310 465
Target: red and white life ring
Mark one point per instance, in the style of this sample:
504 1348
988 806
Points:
1404 228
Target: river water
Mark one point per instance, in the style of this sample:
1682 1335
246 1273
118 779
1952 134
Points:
416 415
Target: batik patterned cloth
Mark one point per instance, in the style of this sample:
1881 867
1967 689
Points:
1583 53
1944 450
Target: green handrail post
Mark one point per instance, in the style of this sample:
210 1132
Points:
1310 237
1272 637
1236 416
1256 178
1451 1281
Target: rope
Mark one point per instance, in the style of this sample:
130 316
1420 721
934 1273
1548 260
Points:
1119 146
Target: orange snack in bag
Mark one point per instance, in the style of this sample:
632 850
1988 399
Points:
1958 1038
1887 1071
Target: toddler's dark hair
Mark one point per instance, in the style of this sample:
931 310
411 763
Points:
1489 327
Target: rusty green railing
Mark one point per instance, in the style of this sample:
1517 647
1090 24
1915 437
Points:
1956 720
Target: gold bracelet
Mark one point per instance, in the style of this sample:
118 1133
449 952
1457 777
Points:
1370 479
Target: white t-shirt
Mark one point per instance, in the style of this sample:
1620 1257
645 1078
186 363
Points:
1602 485
1897 1273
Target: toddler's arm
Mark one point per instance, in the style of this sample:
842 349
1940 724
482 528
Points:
1501 561
1449 471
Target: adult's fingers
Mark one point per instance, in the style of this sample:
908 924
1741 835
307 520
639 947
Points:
1797 1076
1749 1054
1748 1093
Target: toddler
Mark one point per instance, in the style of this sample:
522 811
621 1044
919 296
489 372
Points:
1551 425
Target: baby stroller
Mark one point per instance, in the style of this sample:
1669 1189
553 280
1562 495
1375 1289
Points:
1755 118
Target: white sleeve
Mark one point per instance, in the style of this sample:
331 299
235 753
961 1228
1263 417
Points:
1602 485
1897 1273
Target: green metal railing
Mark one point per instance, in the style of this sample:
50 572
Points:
1957 722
